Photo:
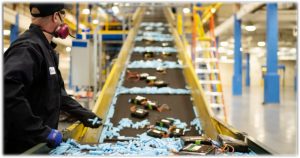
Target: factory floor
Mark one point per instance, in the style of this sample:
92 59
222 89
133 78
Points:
274 125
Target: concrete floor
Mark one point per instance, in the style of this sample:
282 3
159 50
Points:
275 126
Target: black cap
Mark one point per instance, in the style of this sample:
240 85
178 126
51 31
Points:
45 9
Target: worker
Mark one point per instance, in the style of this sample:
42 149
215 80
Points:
34 89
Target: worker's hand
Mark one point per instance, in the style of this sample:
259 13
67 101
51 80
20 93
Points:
54 138
92 121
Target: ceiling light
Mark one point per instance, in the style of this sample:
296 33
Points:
86 11
115 9
148 13
221 49
224 44
213 10
127 4
186 10
68 49
81 26
95 21
229 52
250 28
261 43
6 32
101 11
223 58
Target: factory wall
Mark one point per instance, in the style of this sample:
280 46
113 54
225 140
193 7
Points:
256 73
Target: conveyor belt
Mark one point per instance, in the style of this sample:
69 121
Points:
181 105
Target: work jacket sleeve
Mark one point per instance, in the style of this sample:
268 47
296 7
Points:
21 65
72 107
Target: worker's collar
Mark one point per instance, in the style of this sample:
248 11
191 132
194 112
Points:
38 30
53 45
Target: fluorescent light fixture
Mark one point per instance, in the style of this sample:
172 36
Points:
96 21
186 10
115 9
101 11
86 11
223 58
224 44
213 10
221 49
229 52
199 49
293 50
68 49
6 32
261 43
127 4
81 26
250 28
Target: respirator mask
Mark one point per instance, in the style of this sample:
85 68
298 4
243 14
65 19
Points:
61 31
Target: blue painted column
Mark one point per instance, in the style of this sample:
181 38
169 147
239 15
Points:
271 78
247 69
14 30
237 76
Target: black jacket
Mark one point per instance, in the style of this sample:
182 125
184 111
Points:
34 92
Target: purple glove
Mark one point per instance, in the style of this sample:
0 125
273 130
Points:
54 138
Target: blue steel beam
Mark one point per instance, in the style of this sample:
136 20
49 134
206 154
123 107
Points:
237 76
271 78
247 69
14 30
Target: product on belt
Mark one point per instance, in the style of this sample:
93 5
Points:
138 112
167 123
176 132
198 149
138 100
148 54
157 133
196 140
160 83
143 76
161 69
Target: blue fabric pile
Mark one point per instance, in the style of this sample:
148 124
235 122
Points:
152 90
156 49
154 64
143 146
163 38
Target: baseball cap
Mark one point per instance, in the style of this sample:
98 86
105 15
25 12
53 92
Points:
46 9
